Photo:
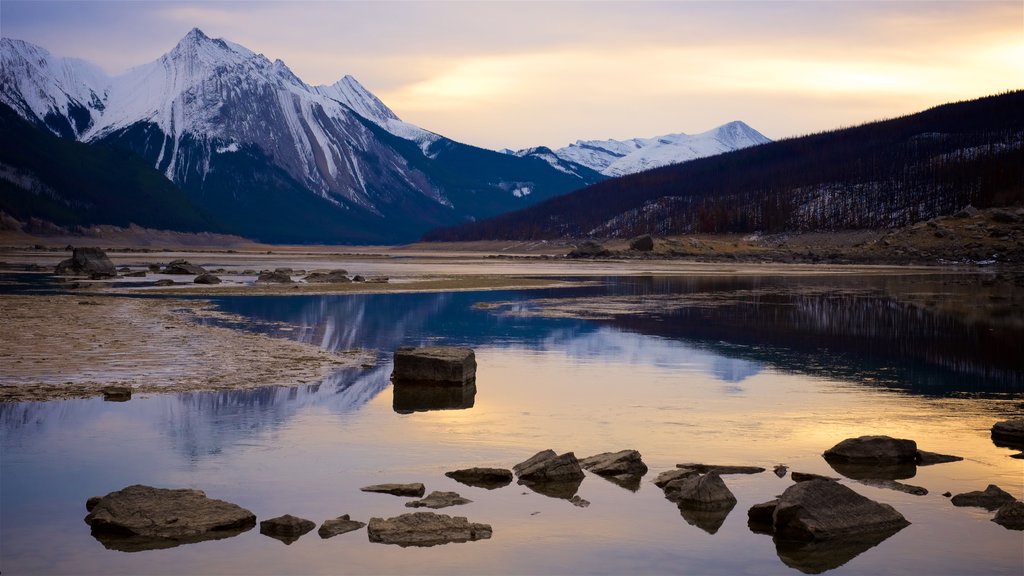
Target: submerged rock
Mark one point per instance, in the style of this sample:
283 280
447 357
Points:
707 492
873 450
546 466
489 478
437 500
184 267
415 489
823 510
930 458
434 364
87 262
425 529
286 528
897 486
626 462
338 526
721 469
146 518
990 498
1010 516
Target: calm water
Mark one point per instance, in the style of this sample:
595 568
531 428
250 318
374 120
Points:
726 370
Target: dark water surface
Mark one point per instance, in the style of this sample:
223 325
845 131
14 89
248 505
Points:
729 370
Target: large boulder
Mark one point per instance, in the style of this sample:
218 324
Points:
445 365
425 529
1009 433
340 525
437 500
92 262
206 279
286 528
990 498
144 518
588 249
707 492
547 466
184 267
872 450
332 277
642 243
489 478
823 510
415 489
275 277
1011 516
624 462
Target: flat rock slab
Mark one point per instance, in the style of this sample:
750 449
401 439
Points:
434 364
721 469
340 525
437 500
805 476
990 498
425 529
547 466
415 489
332 277
286 528
707 492
873 449
780 470
626 462
184 268
930 458
1010 516
489 478
150 518
823 510
897 486
1009 432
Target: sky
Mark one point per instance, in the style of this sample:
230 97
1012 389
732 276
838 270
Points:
528 73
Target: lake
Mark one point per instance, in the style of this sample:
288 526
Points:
751 370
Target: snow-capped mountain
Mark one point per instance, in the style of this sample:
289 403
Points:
620 157
253 142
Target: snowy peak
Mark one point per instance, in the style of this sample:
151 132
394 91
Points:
619 157
351 93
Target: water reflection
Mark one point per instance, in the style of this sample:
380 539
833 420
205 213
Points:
409 398
818 557
708 520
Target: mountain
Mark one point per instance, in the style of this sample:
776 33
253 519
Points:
269 156
619 157
880 175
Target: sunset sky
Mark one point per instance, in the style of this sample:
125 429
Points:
521 74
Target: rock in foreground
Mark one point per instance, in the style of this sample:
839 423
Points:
626 462
823 510
144 518
990 498
443 365
1011 516
339 525
87 262
437 500
286 528
415 489
872 450
546 466
275 277
707 492
489 478
425 529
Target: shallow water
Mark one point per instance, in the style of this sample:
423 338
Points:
755 371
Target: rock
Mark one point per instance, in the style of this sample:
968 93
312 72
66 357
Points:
286 528
547 466
642 243
707 492
947 494
1009 433
1004 216
489 478
287 271
136 274
164 282
626 462
415 489
897 486
183 267
760 517
930 458
206 279
154 267
823 510
332 277
990 498
358 278
579 502
145 518
117 393
669 475
805 476
705 468
124 269
872 450
966 212
588 249
1011 516
425 529
92 502
780 470
434 364
439 500
409 397
89 262
339 525
273 278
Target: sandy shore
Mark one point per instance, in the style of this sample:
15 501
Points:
73 346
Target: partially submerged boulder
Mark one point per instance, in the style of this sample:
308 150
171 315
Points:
1009 433
897 486
669 475
806 476
1011 516
117 393
444 365
206 279
707 492
425 529
274 277
87 262
547 466
286 528
930 458
184 267
144 518
340 525
990 498
489 478
721 469
438 499
415 489
332 277
588 249
873 450
823 510
624 462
